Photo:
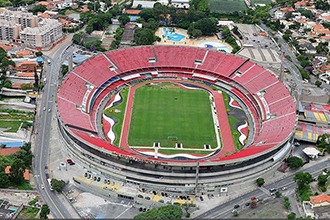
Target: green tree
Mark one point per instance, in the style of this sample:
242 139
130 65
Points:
145 36
260 182
64 69
38 8
16 171
57 185
36 79
291 215
78 38
303 178
321 182
4 180
295 162
39 53
278 194
286 202
44 211
318 83
124 19
162 213
323 141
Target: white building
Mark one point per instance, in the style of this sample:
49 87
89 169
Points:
9 31
48 34
25 19
180 3
148 4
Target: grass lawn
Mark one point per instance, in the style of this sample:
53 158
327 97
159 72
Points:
267 2
28 213
13 125
233 121
168 114
119 115
227 6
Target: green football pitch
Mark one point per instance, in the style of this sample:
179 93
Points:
169 114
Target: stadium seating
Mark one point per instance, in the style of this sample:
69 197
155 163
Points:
71 115
260 85
131 58
73 89
95 71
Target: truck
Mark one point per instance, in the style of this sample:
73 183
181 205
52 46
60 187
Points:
50 184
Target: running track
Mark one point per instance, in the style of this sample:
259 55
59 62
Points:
226 136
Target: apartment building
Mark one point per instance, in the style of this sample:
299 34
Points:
25 19
9 31
47 34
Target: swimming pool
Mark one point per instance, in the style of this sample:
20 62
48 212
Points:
218 45
169 35
133 17
13 144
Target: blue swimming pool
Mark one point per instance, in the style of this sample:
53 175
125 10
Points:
170 35
12 144
212 44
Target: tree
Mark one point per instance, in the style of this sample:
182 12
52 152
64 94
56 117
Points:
44 211
164 212
278 194
16 172
77 38
145 36
4 180
260 182
39 53
57 185
64 69
38 8
36 79
323 141
235 213
303 178
318 83
286 202
124 19
321 182
291 215
295 162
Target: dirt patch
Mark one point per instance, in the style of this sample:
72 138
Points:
271 209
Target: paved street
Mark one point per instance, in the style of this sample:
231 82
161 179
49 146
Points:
60 208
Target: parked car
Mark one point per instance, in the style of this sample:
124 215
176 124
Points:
70 161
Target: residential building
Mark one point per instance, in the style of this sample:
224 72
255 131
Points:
317 206
9 31
49 33
25 19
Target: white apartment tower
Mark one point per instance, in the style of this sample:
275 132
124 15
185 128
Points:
25 19
9 31
48 33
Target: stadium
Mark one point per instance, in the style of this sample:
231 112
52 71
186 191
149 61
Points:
175 118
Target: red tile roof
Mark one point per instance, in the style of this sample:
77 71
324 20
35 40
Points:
319 199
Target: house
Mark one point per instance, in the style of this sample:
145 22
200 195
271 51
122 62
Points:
24 54
317 206
26 173
308 47
311 152
26 66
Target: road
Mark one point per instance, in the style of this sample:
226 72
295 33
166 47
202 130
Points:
43 131
224 210
290 65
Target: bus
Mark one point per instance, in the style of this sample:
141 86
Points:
50 185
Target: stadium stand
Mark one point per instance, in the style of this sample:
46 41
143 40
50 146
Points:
271 109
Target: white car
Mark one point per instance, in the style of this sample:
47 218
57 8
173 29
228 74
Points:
42 187
44 108
49 110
